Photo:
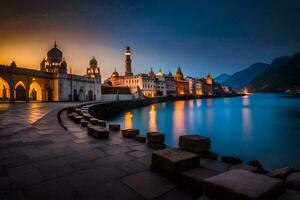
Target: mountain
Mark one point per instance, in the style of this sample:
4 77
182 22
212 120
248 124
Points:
221 78
242 78
285 75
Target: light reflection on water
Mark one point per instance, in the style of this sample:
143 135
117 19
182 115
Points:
260 126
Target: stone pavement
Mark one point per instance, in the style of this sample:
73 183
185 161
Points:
41 160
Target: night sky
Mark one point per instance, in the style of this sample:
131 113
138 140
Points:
200 36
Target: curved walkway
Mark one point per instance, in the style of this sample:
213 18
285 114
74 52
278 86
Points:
41 160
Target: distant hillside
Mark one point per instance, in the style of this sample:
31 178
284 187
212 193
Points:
221 78
240 79
281 77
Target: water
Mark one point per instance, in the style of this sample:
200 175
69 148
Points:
265 127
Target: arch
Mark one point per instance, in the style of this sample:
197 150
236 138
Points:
90 95
20 91
81 95
4 90
35 92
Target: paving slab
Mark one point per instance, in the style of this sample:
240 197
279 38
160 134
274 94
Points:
24 176
242 184
53 190
148 184
88 183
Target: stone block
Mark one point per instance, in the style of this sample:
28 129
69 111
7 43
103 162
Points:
193 178
194 143
114 127
84 123
77 119
78 111
241 184
94 121
140 138
231 160
214 165
257 164
70 115
87 117
281 173
155 137
102 123
209 155
130 133
148 184
156 145
245 167
293 181
97 132
290 195
171 162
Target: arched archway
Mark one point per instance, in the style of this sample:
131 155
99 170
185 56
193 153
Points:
35 92
20 91
81 95
90 95
4 90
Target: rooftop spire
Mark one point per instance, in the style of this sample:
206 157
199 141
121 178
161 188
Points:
55 45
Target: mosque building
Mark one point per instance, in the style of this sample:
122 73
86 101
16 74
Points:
51 83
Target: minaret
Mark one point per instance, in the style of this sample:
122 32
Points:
128 71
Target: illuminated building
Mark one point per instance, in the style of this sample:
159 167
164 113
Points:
181 85
51 82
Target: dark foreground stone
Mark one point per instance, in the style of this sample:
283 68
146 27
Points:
293 181
84 123
171 162
209 155
114 127
140 138
193 178
290 195
130 133
257 164
155 137
102 123
97 131
194 143
231 160
281 173
241 184
148 184
245 167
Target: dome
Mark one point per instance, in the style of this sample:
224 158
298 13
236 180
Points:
54 55
93 62
115 74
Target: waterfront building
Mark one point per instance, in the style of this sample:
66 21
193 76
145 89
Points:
208 85
181 85
195 86
51 82
140 84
